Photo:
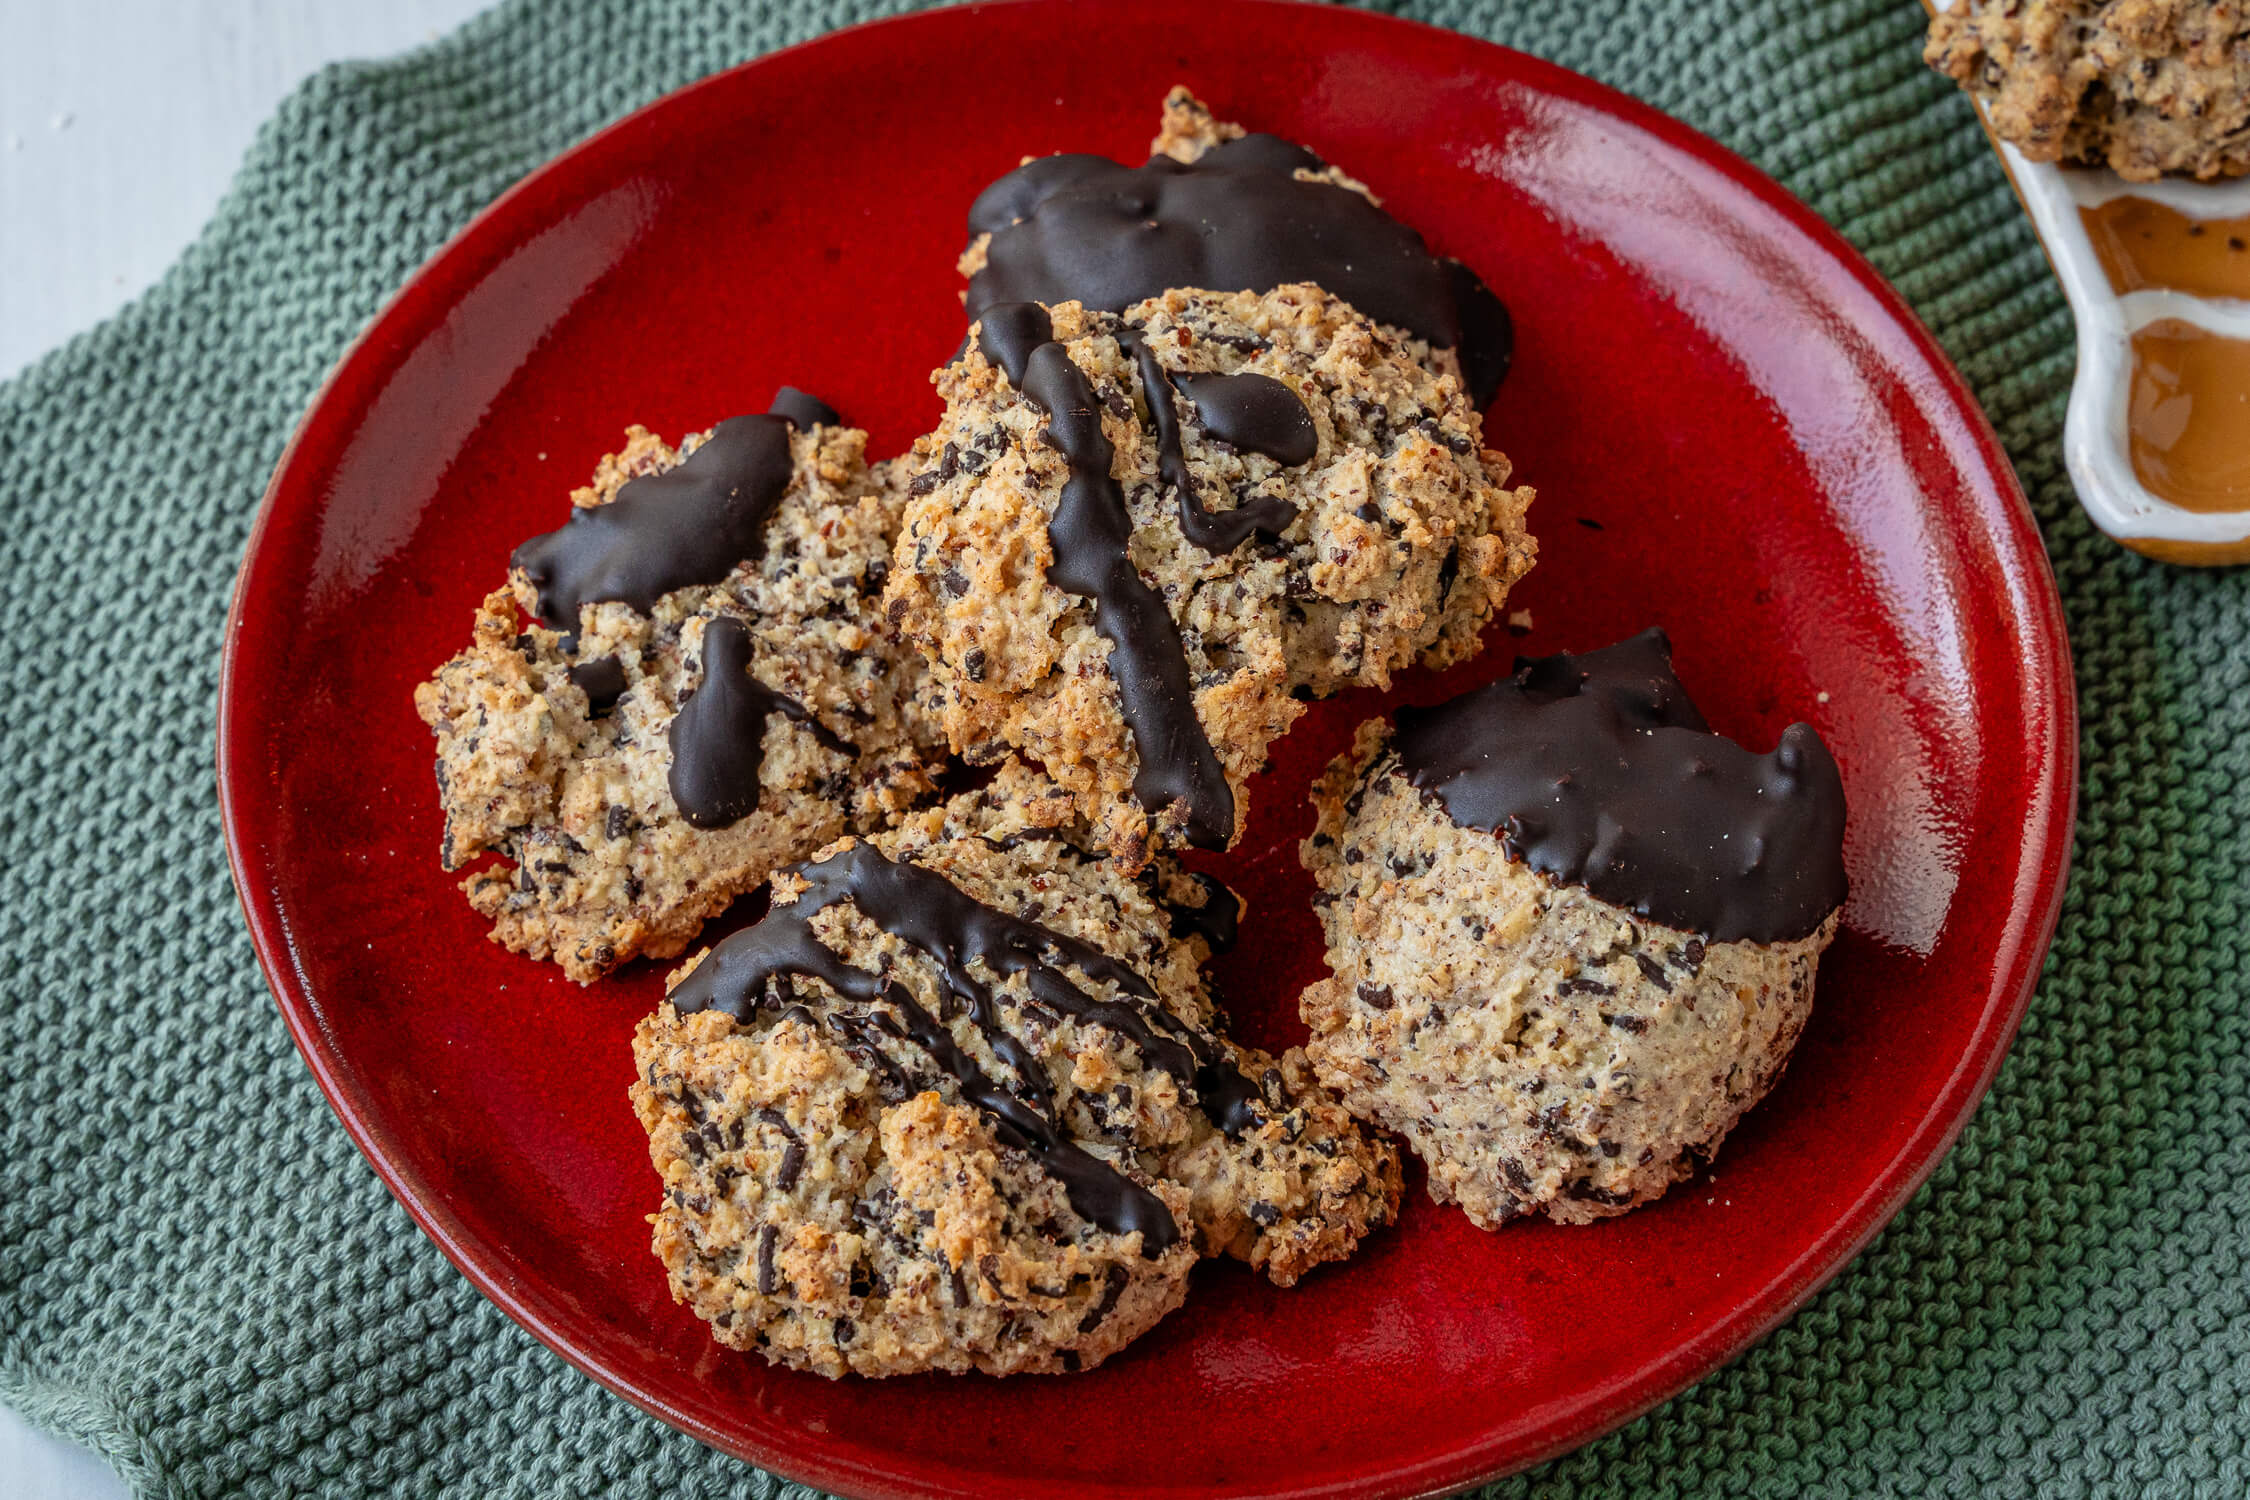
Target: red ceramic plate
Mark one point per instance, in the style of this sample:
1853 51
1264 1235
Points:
1736 430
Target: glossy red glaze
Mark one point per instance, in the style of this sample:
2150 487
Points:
1735 429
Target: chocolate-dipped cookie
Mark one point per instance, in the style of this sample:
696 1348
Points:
685 686
962 1101
1572 931
1137 540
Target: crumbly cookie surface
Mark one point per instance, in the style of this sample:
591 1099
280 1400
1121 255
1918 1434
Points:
1187 129
1302 1186
811 1219
2144 87
891 1227
1542 1050
1405 536
574 794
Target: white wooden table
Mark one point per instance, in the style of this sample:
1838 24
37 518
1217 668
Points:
121 123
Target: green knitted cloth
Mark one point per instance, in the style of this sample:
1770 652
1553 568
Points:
201 1278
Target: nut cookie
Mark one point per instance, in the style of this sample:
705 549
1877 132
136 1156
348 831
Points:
1566 1003
2145 87
1020 805
705 690
1284 1195
961 1102
810 1218
1136 540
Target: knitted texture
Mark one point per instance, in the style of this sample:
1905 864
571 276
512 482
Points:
201 1278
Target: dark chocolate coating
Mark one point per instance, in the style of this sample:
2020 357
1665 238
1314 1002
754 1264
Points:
1488 334
1087 229
1216 532
602 680
1089 533
718 737
1597 770
1255 413
690 524
958 932
803 410
1007 332
1218 921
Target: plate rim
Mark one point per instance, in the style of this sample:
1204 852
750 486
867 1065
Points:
2026 582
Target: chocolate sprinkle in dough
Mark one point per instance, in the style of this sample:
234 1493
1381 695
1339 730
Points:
1250 411
718 737
1091 531
803 410
1597 770
687 525
1080 228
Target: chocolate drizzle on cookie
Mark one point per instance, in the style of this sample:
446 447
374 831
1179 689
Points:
1216 918
1090 533
1597 770
1086 229
1238 409
1488 334
802 410
1007 332
691 524
957 933
718 737
1255 413
602 680
1218 921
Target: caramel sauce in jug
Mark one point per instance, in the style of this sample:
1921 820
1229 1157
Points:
2142 244
2188 418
